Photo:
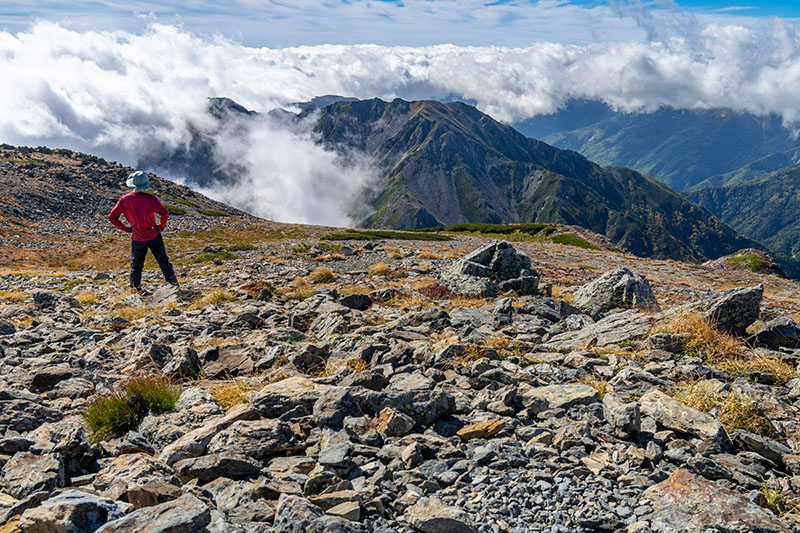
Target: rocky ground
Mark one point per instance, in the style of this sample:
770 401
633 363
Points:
403 386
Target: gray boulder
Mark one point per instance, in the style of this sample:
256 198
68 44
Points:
493 267
781 332
674 415
187 513
623 416
618 289
334 406
71 511
735 309
431 515
26 473
688 503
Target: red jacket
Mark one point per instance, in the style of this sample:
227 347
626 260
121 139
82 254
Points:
139 210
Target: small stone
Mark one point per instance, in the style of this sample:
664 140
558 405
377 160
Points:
347 510
481 430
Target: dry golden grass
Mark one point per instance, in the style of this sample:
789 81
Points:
321 275
215 297
464 301
405 299
697 395
395 255
739 411
347 290
300 290
87 298
430 255
232 393
602 387
358 365
736 411
134 313
14 296
706 339
740 366
380 269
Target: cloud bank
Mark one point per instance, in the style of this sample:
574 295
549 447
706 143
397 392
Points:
118 94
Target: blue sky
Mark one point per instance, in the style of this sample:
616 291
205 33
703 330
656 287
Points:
508 23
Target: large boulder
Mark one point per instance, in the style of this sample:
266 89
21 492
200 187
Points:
26 473
735 309
187 513
780 332
618 289
431 515
672 414
688 503
493 267
71 511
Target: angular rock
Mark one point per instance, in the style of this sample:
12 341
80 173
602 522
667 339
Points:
194 443
126 471
689 503
630 325
670 342
780 332
734 310
185 365
26 473
623 416
478 272
232 360
347 510
256 438
152 493
481 430
360 302
617 289
71 511
186 514
46 378
430 515
674 415
394 424
333 406
209 467
556 396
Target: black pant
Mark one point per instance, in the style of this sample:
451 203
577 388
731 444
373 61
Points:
139 252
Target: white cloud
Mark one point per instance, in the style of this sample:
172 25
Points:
120 93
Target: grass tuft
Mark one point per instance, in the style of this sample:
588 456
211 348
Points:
215 297
121 411
232 393
321 275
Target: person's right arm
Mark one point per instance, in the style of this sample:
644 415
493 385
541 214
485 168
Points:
114 215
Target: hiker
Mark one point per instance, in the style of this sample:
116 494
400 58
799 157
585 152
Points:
140 209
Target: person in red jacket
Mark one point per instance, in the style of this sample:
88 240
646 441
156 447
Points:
140 211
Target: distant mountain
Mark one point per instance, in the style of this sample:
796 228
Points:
766 208
441 164
450 163
684 149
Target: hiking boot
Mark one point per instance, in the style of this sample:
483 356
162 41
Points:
174 283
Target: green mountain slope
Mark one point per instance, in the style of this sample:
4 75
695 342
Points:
450 163
766 208
681 148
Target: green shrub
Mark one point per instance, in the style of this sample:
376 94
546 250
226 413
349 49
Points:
533 228
182 201
572 240
368 235
118 412
211 212
241 248
175 210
